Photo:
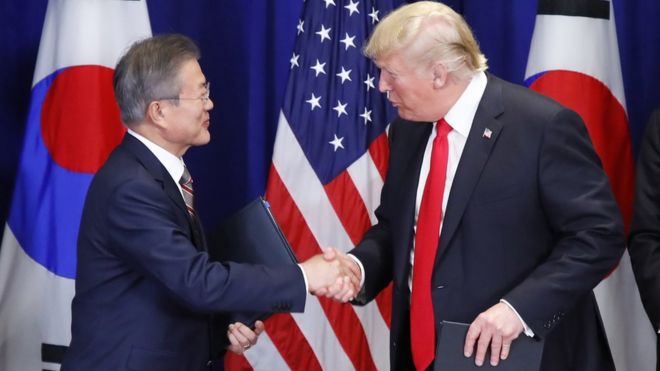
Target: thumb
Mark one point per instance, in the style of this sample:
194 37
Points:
258 327
329 254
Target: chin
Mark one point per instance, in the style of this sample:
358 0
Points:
406 115
203 139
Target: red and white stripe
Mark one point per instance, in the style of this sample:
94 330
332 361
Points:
328 335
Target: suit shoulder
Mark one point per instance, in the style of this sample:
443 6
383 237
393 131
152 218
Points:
531 107
122 167
532 100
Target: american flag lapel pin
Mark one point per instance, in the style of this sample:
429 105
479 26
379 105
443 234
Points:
487 133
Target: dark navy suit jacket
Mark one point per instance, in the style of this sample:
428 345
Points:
644 244
530 218
145 288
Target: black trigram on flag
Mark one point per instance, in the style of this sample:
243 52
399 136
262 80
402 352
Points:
52 354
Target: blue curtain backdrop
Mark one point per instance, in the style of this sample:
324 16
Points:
246 46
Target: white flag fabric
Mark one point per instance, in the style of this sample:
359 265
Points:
574 58
72 126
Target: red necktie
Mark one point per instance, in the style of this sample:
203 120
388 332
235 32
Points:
422 322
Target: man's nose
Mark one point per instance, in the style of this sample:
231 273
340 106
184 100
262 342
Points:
383 85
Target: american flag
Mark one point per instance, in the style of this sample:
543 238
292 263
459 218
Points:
329 163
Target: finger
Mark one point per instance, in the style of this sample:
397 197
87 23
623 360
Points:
248 334
355 277
259 327
349 293
348 296
240 337
348 271
327 291
482 347
506 347
495 349
235 346
339 289
354 267
471 338
345 293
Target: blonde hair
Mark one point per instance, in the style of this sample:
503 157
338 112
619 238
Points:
428 32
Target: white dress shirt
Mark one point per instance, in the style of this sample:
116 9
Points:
174 165
459 117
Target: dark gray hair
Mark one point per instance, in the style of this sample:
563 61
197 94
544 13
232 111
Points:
148 71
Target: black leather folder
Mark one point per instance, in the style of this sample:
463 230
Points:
525 354
251 236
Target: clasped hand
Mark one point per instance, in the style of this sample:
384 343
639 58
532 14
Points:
333 274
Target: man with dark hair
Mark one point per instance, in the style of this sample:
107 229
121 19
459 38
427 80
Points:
145 287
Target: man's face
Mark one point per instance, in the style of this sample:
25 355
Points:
410 87
188 118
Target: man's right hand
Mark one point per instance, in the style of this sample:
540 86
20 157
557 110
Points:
331 275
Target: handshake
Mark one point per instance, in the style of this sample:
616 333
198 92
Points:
333 274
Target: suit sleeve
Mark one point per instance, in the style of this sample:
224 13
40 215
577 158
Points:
142 228
644 244
580 209
375 249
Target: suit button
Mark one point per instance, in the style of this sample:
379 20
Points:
441 287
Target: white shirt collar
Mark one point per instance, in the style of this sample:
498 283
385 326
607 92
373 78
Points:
174 165
461 114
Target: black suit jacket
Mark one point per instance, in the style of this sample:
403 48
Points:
145 288
530 218
644 243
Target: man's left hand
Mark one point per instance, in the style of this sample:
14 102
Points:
497 327
242 337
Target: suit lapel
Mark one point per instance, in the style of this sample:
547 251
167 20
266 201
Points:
160 174
418 136
480 142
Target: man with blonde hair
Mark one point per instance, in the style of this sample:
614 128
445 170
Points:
495 210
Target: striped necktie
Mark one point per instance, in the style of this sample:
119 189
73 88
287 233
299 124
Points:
186 183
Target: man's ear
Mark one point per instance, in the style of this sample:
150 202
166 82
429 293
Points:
155 113
440 75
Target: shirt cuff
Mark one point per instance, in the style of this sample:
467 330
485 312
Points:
305 278
359 263
527 331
